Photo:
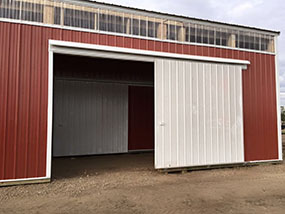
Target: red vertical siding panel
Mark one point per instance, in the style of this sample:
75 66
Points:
261 88
172 47
158 46
57 34
136 43
271 75
249 117
211 51
103 39
85 37
76 36
246 107
260 126
151 45
143 44
24 88
128 42
34 101
111 40
17 31
120 41
186 49
66 35
199 50
193 49
26 101
218 52
224 53
206 51
12 104
266 101
256 72
165 47
94 38
236 54
4 74
179 48
230 54
257 114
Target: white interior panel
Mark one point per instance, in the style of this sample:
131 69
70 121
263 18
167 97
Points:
89 118
198 108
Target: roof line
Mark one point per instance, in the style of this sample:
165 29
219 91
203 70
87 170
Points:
181 16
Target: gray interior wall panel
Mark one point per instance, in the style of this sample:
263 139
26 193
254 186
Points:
89 118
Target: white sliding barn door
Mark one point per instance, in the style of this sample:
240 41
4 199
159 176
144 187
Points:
198 113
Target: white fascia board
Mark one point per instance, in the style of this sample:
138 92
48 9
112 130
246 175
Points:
146 52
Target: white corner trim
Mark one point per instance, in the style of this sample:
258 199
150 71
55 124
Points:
57 43
280 154
49 115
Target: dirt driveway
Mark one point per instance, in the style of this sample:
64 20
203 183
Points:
128 184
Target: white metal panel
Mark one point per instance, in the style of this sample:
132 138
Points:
198 113
89 118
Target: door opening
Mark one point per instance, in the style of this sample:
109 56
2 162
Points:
100 107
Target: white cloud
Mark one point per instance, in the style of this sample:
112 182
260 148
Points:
241 9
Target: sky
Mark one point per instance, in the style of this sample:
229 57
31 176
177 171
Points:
256 13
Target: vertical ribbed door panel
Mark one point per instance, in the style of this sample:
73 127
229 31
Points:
198 114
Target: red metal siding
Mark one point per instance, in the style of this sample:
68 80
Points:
141 118
24 90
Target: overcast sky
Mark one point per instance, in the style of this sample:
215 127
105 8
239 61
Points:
268 14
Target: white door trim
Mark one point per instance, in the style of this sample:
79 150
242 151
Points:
79 48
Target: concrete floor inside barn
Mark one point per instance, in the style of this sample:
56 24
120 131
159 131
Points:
129 184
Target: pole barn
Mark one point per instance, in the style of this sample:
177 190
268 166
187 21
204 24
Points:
88 78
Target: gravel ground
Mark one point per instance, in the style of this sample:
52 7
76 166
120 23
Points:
129 184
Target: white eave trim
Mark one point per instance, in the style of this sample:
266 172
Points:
55 44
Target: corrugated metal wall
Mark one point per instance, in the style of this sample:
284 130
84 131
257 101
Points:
24 90
89 118
198 108
23 100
